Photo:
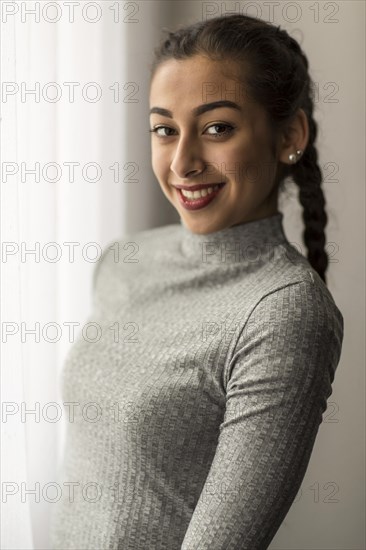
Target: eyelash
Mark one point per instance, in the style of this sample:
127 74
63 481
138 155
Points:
217 136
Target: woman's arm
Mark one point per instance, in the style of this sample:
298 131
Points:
278 382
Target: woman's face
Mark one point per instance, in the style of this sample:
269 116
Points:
220 145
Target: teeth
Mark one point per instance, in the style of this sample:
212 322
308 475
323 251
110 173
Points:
199 194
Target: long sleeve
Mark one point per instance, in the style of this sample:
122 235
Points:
277 384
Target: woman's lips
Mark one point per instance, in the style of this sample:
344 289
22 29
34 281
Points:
201 202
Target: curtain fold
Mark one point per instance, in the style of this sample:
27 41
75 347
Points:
14 390
57 216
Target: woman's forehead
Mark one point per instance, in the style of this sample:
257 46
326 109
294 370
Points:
198 79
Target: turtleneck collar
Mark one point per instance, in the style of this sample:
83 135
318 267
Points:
245 242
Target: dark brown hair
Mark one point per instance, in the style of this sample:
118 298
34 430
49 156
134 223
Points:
279 80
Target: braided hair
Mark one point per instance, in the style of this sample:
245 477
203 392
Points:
279 80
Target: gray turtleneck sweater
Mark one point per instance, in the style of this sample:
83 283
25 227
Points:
197 393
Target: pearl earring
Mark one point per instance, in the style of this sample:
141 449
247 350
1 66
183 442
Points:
293 158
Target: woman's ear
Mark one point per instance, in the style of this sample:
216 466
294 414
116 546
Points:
295 136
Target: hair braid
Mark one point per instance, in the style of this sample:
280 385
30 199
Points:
307 174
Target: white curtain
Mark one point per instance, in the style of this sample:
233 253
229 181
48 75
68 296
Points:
76 174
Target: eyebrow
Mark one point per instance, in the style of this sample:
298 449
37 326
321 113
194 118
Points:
200 110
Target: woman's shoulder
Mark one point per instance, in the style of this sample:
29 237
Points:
294 286
301 309
288 294
297 320
134 246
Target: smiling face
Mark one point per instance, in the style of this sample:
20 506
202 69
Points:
223 144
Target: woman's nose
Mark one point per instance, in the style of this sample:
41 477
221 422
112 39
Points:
187 160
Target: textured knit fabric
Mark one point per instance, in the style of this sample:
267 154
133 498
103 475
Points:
199 404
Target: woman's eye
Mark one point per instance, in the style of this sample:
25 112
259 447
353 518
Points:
155 130
228 130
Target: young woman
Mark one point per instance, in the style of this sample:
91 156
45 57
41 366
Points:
220 340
